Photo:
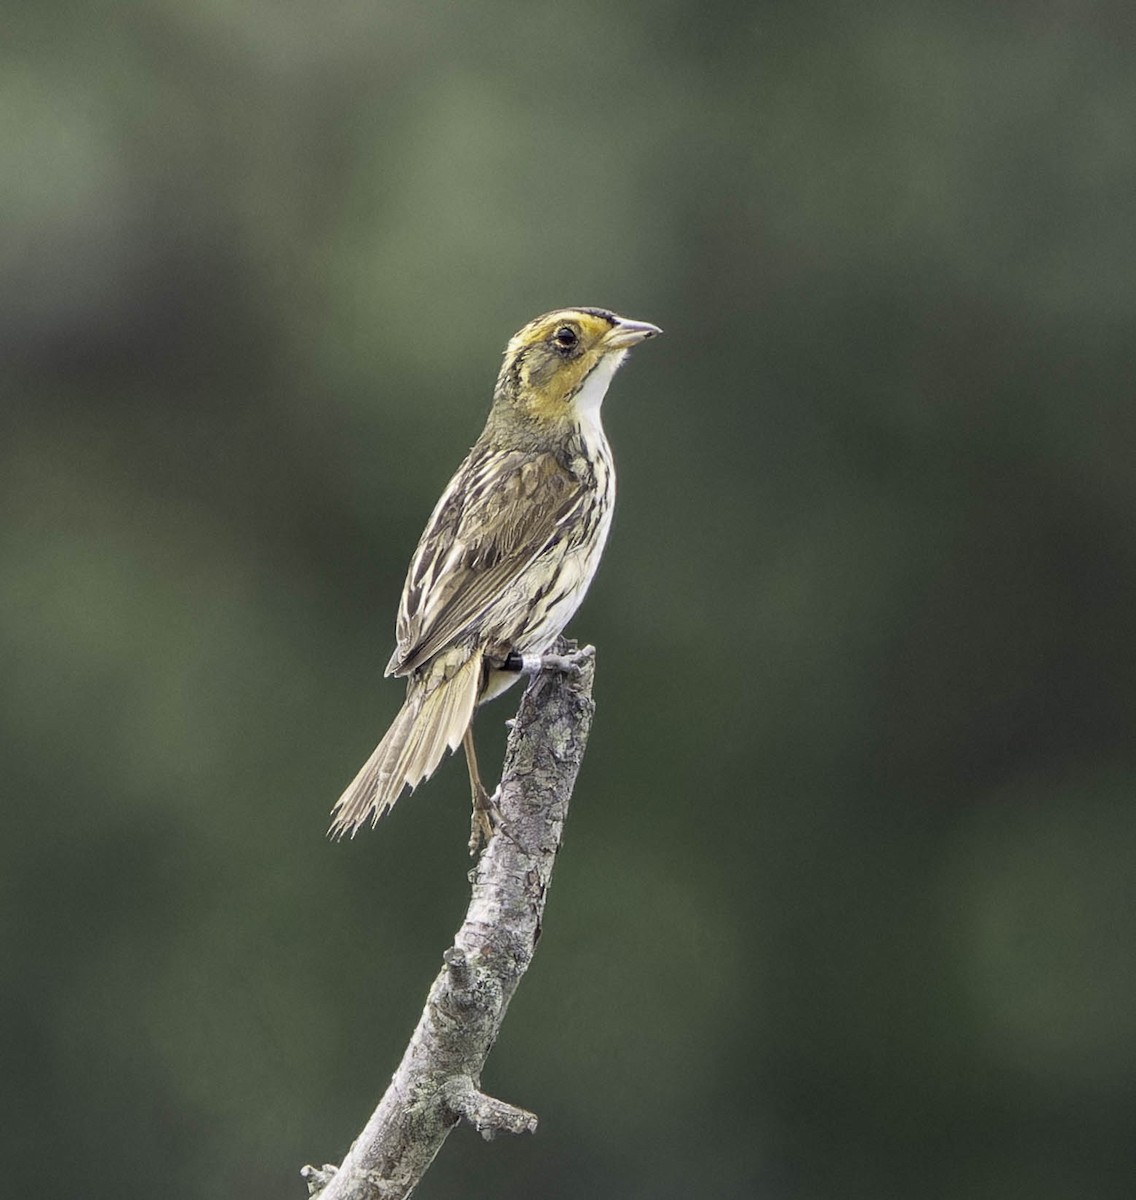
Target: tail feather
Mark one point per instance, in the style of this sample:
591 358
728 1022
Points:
436 714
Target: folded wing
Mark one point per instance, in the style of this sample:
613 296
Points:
502 511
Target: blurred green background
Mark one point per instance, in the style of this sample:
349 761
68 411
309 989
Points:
846 907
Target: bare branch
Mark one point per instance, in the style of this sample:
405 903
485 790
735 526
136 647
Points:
438 1081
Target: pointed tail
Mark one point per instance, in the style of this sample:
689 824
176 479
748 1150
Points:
437 712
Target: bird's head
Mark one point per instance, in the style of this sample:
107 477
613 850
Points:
557 368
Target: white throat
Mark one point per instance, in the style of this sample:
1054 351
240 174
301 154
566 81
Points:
589 399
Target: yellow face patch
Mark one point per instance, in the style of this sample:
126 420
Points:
548 361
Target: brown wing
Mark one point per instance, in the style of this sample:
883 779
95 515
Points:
500 511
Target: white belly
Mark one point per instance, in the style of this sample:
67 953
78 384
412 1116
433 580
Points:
575 577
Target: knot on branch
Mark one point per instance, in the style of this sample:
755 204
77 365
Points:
467 993
317 1178
461 976
487 1115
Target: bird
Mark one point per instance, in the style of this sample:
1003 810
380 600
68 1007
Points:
506 557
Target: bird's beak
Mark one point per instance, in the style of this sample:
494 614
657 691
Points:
627 333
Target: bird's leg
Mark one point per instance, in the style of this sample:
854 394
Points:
486 815
533 664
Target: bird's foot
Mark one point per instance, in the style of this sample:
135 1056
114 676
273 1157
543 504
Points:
485 821
533 664
488 821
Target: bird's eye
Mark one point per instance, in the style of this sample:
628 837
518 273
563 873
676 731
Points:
565 338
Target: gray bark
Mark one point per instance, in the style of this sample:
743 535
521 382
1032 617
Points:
437 1083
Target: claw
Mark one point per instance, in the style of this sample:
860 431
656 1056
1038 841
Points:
485 821
567 664
488 821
